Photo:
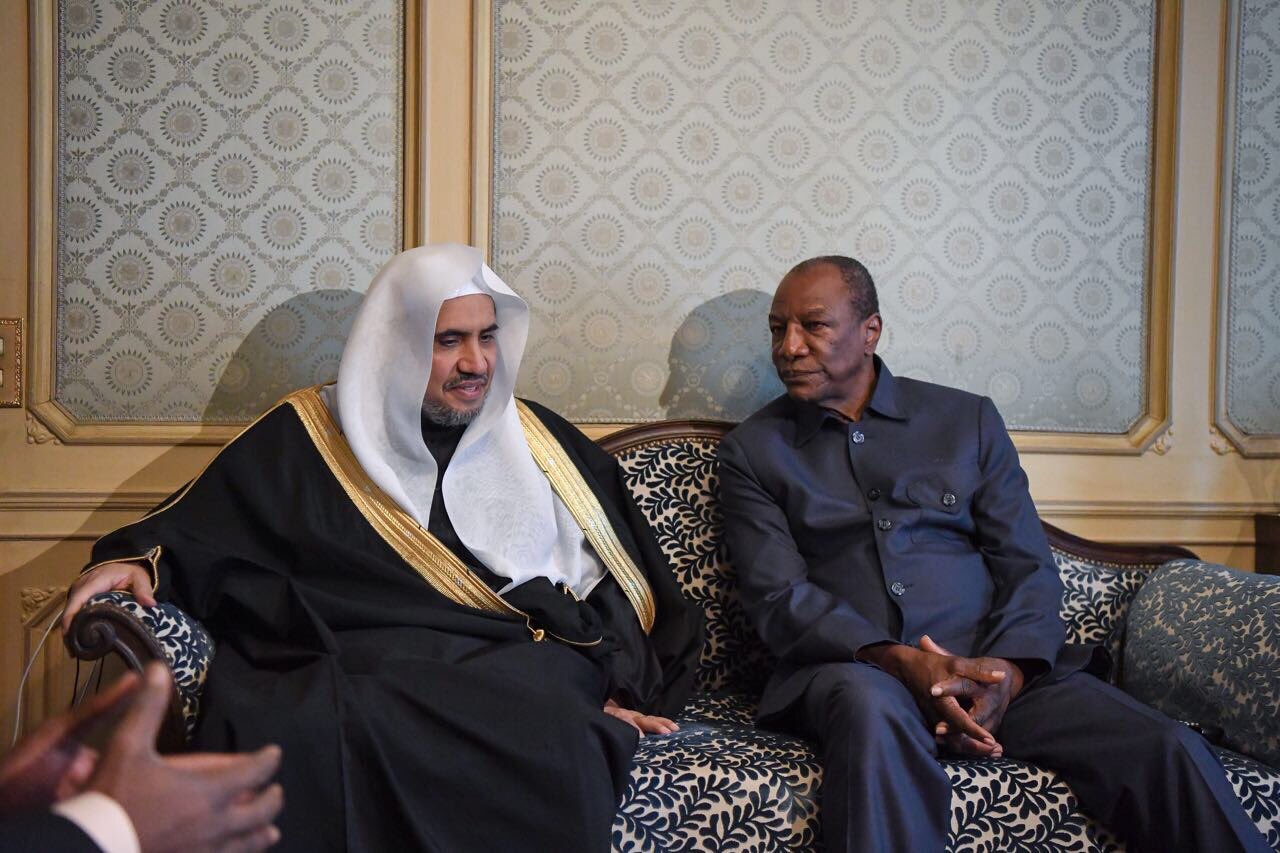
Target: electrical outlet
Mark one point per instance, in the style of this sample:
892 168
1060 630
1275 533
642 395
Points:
10 363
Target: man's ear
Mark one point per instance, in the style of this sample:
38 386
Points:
871 328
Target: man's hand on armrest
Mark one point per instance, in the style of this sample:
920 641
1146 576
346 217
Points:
922 672
640 722
130 576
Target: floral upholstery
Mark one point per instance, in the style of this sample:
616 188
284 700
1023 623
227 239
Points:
1204 645
1096 598
675 484
187 646
721 783
1258 787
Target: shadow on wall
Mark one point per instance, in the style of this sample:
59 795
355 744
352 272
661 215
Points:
296 344
719 365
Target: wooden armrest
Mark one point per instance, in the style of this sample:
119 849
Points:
101 628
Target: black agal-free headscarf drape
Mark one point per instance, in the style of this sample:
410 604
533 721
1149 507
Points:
408 721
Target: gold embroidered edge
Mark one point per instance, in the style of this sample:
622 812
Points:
428 556
567 482
152 558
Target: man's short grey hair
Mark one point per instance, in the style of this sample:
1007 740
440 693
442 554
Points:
862 290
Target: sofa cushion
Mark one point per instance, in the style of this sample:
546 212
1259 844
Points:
674 481
1203 644
721 783
1096 598
1258 787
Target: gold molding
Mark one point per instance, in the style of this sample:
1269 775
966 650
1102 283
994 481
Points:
14 357
1225 435
1156 418
482 100
80 501
1139 509
411 144
42 402
448 108
68 501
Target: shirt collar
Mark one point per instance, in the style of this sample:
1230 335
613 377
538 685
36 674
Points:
884 401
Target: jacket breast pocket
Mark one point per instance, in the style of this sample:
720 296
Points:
944 497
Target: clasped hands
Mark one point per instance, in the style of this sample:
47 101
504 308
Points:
964 699
189 802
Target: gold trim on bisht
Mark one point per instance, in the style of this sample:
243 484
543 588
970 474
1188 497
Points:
429 557
567 482
152 558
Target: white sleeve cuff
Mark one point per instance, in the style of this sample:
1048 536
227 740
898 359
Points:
102 819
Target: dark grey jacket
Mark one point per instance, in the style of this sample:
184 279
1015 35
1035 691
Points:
914 520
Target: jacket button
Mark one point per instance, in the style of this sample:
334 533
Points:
948 499
884 524
897 588
857 437
874 494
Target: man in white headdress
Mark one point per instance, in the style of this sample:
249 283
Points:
440 600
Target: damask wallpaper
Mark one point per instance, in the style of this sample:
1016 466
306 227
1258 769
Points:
659 164
1253 273
228 180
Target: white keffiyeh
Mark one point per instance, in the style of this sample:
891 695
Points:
499 501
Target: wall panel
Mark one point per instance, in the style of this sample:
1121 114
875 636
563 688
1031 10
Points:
657 167
215 185
1248 383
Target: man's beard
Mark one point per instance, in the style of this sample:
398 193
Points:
443 415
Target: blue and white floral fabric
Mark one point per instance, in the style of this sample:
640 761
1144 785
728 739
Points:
721 783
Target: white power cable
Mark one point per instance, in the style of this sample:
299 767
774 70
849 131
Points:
22 683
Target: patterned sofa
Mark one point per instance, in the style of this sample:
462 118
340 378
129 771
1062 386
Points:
1201 642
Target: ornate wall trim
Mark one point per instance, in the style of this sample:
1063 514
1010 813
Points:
63 512
42 400
38 602
1225 432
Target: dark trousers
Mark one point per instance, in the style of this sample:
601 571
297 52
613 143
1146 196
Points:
1150 780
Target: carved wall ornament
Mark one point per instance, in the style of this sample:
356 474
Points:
32 599
1220 443
1164 443
37 434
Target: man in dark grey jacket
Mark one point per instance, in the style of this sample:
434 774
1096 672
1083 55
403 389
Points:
890 555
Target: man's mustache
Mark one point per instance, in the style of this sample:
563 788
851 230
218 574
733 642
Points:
466 377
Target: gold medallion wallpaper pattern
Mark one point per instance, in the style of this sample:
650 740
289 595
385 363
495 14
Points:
227 184
659 164
1253 280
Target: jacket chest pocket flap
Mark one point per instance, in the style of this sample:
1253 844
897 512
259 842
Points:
943 497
